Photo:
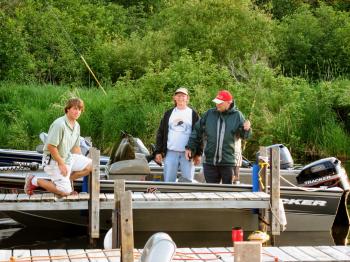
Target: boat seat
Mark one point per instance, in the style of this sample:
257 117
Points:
138 165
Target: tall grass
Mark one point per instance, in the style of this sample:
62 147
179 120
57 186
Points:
286 110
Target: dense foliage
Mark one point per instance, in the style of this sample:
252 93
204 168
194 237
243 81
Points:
287 63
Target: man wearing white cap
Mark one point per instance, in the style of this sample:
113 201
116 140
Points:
220 127
173 133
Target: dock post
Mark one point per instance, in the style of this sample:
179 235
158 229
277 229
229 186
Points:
263 225
127 227
94 201
119 188
275 192
245 251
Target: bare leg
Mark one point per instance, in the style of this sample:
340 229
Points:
236 174
49 186
77 174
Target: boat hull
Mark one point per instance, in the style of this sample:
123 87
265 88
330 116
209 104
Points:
8 156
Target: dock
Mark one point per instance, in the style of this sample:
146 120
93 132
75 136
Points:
49 201
226 254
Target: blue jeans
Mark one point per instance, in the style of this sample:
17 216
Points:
175 160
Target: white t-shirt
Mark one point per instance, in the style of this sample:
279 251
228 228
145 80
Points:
180 128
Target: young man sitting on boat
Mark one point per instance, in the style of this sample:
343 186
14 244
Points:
62 158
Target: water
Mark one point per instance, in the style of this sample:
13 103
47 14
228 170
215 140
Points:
16 237
13 236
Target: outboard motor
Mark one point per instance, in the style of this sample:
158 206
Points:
128 160
286 160
324 172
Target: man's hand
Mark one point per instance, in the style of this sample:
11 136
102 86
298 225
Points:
197 160
158 159
246 125
188 154
56 156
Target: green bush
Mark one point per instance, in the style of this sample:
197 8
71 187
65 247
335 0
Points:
314 43
284 110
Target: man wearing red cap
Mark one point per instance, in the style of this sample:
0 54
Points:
219 130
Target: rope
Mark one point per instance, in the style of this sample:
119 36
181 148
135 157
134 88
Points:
264 164
301 188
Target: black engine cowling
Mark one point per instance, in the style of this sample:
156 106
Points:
324 172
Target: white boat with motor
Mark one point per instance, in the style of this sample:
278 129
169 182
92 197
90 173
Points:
314 197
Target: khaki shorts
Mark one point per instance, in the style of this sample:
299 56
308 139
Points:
62 183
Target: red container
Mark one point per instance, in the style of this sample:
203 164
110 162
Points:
237 234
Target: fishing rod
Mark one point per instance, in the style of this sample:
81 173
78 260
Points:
244 144
76 49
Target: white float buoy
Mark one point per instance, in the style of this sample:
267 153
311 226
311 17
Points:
159 248
107 241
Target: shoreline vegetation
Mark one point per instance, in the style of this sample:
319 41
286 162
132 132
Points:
305 122
287 65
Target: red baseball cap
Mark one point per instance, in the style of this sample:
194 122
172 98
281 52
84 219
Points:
223 96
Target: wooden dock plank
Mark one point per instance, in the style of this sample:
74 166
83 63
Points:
225 254
41 255
201 196
59 255
22 254
333 252
249 195
77 255
72 198
10 198
138 196
226 195
162 196
237 195
49 197
199 204
276 252
286 254
188 196
96 255
2 197
262 195
315 253
5 254
214 196
297 253
84 196
206 254
22 197
112 255
154 201
186 254
175 196
36 197
343 249
150 197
